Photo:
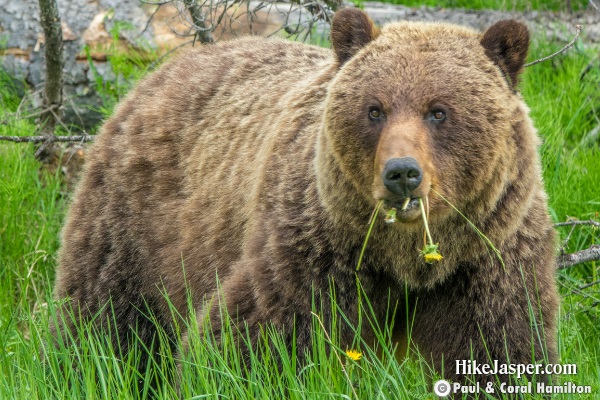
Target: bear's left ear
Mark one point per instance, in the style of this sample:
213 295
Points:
506 43
351 30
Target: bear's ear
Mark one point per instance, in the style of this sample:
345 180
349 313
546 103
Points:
506 43
351 30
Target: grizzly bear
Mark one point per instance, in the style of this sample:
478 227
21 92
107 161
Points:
249 171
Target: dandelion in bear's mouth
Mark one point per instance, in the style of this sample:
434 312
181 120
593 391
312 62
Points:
430 251
354 354
390 217
405 203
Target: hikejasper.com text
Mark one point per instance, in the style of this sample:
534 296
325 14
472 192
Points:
472 367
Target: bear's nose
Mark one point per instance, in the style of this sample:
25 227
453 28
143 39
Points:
402 175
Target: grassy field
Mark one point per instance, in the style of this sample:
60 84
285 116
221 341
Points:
509 5
564 105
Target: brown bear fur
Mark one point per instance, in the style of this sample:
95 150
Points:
256 161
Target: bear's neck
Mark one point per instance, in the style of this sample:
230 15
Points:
394 249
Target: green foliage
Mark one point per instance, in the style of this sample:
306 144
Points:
507 5
565 103
31 210
31 213
360 3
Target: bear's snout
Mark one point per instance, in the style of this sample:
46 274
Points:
402 175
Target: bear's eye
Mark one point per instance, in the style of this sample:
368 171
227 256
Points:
375 114
437 116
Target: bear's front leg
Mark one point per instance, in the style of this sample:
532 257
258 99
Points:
493 316
253 301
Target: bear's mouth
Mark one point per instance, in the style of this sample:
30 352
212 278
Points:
405 212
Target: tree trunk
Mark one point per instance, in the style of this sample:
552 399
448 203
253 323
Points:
54 62
203 32
53 43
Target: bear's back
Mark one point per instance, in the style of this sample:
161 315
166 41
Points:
173 174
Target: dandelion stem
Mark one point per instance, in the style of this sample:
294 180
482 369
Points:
425 220
364 246
405 203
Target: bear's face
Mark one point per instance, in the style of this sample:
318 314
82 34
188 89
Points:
423 108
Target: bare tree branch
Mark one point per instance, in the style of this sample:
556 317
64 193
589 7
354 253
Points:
578 222
590 254
587 285
203 30
139 35
207 20
569 260
46 139
568 46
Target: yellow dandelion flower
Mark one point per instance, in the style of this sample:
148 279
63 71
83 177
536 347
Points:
354 354
433 257
431 254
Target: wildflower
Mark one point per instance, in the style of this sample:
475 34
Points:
354 354
430 251
431 254
390 217
431 258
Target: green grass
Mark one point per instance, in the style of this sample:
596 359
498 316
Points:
564 104
564 107
506 5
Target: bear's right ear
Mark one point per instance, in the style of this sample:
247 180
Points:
351 30
506 43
